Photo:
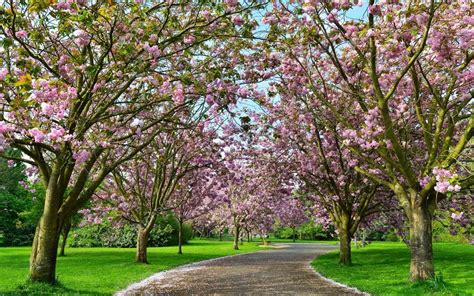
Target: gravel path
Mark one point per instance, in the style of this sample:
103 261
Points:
284 270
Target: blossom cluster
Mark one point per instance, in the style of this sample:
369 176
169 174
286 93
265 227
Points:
445 181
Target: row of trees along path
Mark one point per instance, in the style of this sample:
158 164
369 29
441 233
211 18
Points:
236 121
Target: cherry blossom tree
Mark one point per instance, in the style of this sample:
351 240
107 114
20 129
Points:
253 185
141 189
321 162
195 197
79 79
396 84
292 214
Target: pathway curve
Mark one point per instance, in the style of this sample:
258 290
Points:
284 270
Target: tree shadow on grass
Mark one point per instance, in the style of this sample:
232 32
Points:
29 288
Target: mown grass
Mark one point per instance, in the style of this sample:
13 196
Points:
382 268
104 270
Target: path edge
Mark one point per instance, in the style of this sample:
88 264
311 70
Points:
333 282
137 285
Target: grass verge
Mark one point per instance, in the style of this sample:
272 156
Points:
104 270
382 268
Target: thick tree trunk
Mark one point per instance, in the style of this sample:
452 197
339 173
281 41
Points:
44 252
220 235
421 267
45 244
294 234
345 257
65 233
236 238
248 236
180 238
142 245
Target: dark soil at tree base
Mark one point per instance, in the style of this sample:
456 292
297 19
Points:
284 270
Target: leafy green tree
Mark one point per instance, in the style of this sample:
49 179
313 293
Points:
14 201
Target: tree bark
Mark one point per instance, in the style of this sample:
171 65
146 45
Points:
294 234
180 237
236 238
345 257
220 235
45 244
421 266
248 236
142 245
65 233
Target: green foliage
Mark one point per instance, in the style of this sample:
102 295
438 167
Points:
307 231
94 271
436 284
381 269
441 234
19 208
391 236
165 233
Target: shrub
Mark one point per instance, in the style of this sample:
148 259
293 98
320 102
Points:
165 233
308 231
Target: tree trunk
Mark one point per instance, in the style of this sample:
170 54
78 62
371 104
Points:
180 237
220 235
45 244
344 247
421 267
248 236
65 233
294 234
236 238
142 244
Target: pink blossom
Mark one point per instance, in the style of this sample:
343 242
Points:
3 73
442 186
82 38
231 3
81 156
153 50
189 39
375 9
243 92
178 95
308 6
425 181
56 133
371 33
47 109
153 38
238 20
5 127
38 135
63 5
10 163
269 20
332 16
136 122
21 34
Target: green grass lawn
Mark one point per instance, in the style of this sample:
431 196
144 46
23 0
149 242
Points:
105 270
382 269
